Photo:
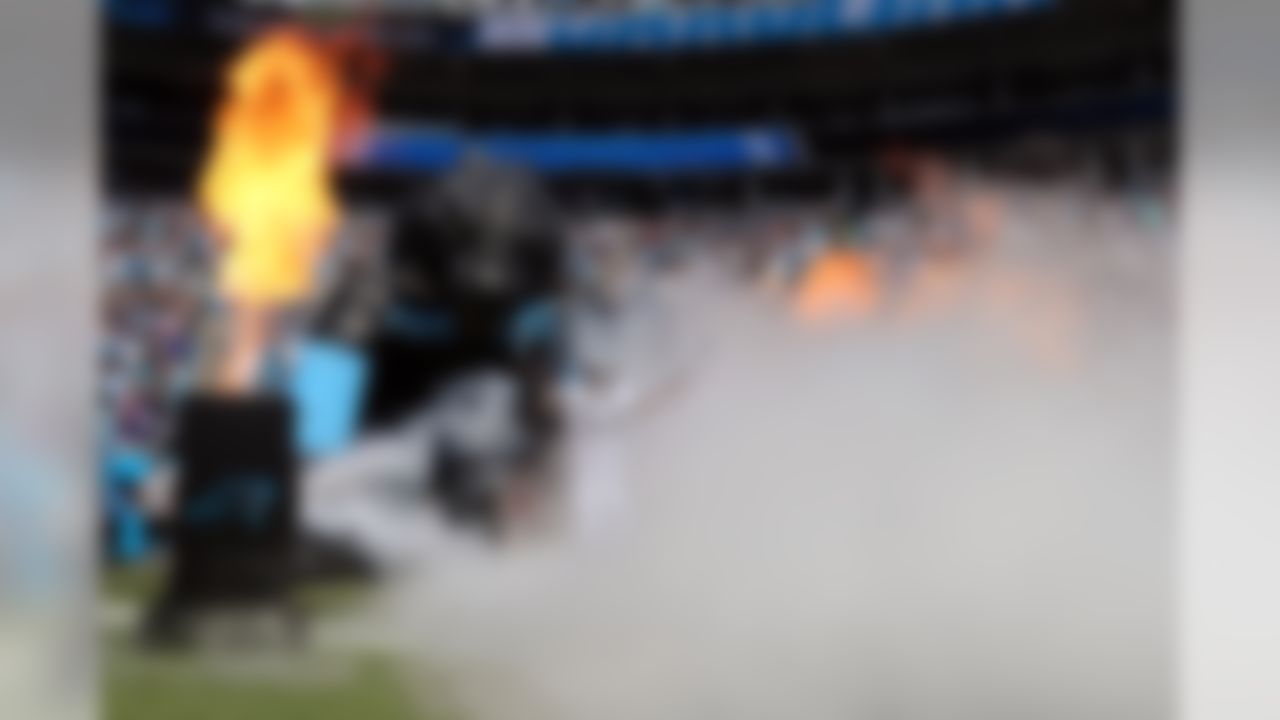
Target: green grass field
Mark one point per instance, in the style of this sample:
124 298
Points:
314 684
165 688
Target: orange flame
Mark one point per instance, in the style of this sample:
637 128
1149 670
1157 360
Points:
840 285
267 186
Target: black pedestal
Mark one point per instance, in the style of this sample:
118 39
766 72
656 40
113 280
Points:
235 540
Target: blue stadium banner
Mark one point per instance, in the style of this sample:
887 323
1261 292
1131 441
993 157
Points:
711 26
426 149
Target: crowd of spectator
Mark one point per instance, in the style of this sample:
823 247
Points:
154 270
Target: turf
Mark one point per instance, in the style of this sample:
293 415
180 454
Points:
140 686
315 685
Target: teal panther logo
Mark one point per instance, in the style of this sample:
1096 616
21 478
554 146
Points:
246 499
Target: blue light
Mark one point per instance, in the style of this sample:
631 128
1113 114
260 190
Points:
327 386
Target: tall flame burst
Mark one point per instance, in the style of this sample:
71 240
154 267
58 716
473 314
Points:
267 186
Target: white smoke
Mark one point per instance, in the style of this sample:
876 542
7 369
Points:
884 523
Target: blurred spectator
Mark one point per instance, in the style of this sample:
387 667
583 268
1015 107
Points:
154 270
